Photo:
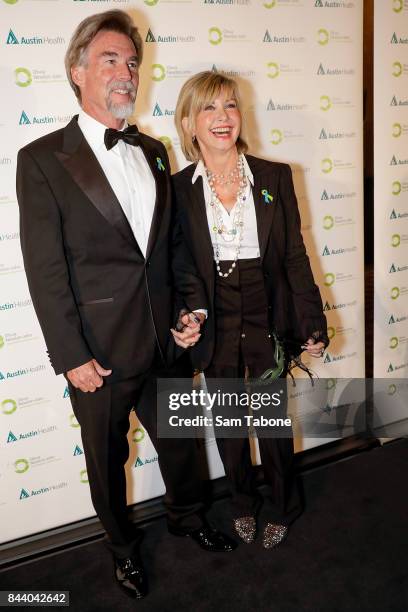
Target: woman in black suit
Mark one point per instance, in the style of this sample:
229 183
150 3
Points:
238 217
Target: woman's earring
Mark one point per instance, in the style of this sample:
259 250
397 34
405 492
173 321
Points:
193 138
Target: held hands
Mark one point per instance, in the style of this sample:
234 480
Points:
313 348
189 325
88 376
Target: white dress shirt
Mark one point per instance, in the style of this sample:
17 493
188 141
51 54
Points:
129 175
250 243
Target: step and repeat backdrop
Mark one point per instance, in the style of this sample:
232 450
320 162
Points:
391 209
391 189
299 65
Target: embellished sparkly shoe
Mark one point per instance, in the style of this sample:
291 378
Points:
245 527
274 534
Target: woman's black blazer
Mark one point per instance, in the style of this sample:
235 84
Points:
294 302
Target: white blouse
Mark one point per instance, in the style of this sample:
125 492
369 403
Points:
250 243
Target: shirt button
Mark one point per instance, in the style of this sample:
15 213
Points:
242 335
269 336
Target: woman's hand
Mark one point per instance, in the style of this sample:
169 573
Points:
191 331
313 348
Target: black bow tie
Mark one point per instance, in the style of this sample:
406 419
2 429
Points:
131 135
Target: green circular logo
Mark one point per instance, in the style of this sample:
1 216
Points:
396 188
158 72
23 77
2 342
322 36
269 5
83 476
396 130
21 466
325 103
395 293
392 389
8 406
398 5
329 279
273 69
393 342
327 165
331 383
10 1
331 332
166 141
214 35
395 240
138 434
151 2
396 69
328 222
276 137
73 421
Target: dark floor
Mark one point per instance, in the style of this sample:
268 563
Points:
347 553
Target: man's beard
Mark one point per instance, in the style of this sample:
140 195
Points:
121 111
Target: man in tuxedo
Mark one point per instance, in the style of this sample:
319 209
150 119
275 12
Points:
95 208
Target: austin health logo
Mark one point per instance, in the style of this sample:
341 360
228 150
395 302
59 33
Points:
12 39
24 120
66 392
24 494
78 451
398 41
150 36
157 111
139 462
11 437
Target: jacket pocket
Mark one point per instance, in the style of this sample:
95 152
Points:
101 301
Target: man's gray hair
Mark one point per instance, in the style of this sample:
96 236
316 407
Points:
113 21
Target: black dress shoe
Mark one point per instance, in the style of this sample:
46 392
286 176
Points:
131 577
208 539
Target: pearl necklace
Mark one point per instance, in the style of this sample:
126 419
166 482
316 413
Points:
219 228
224 179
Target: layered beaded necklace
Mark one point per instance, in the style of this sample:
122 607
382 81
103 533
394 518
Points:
219 229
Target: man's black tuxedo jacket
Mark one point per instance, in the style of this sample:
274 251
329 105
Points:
294 302
95 294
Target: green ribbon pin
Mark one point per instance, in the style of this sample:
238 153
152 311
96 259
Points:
159 163
267 196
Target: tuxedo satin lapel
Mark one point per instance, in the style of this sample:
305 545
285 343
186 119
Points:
265 188
79 160
160 174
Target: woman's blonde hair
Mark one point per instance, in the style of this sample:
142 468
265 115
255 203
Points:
116 21
196 93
